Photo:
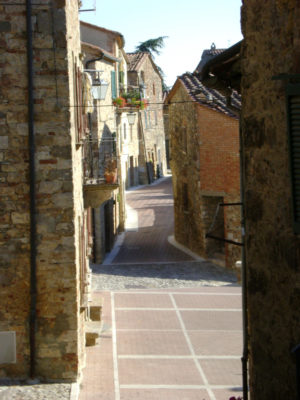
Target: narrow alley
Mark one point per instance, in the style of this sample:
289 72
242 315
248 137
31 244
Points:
171 324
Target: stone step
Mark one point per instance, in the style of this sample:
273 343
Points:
96 311
92 332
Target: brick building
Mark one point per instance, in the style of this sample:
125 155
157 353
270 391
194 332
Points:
204 134
44 241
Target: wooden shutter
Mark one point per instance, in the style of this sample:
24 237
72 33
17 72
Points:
79 113
121 77
113 85
293 111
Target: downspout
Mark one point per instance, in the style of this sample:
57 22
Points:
32 182
93 60
244 273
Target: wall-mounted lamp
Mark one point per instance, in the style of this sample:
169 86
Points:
99 86
131 118
99 89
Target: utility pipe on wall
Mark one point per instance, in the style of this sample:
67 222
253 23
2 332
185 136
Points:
32 182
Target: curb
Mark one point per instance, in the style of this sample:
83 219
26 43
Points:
74 393
179 246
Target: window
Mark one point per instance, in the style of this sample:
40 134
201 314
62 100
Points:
124 131
121 77
81 118
293 112
113 85
153 89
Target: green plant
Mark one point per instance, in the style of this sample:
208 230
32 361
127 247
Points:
119 101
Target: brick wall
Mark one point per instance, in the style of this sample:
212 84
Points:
205 163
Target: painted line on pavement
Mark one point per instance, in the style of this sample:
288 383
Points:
179 308
114 348
177 330
191 348
169 357
181 387
149 291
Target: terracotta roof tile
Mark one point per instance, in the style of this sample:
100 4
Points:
207 55
209 97
135 60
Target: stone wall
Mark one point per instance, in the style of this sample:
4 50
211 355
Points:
271 47
60 215
152 117
205 168
102 149
188 224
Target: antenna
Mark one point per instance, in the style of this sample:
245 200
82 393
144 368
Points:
89 9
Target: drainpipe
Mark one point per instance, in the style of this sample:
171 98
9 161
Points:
244 273
32 181
93 60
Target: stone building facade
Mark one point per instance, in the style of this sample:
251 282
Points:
145 77
265 67
104 61
270 60
204 135
44 292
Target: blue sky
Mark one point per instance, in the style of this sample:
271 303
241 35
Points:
191 27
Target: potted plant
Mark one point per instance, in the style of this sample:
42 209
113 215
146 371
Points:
110 172
119 102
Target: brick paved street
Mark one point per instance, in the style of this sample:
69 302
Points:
150 221
171 326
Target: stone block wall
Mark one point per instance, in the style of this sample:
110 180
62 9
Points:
59 333
205 168
185 166
104 147
154 126
271 47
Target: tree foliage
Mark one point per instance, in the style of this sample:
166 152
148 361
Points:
152 45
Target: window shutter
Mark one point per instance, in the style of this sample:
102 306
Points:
81 123
121 77
113 85
293 111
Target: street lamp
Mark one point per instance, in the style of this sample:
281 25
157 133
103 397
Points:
99 89
99 86
131 118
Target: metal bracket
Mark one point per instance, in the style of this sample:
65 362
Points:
208 235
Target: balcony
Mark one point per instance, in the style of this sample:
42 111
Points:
97 192
100 172
130 100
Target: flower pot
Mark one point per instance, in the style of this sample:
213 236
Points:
110 177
